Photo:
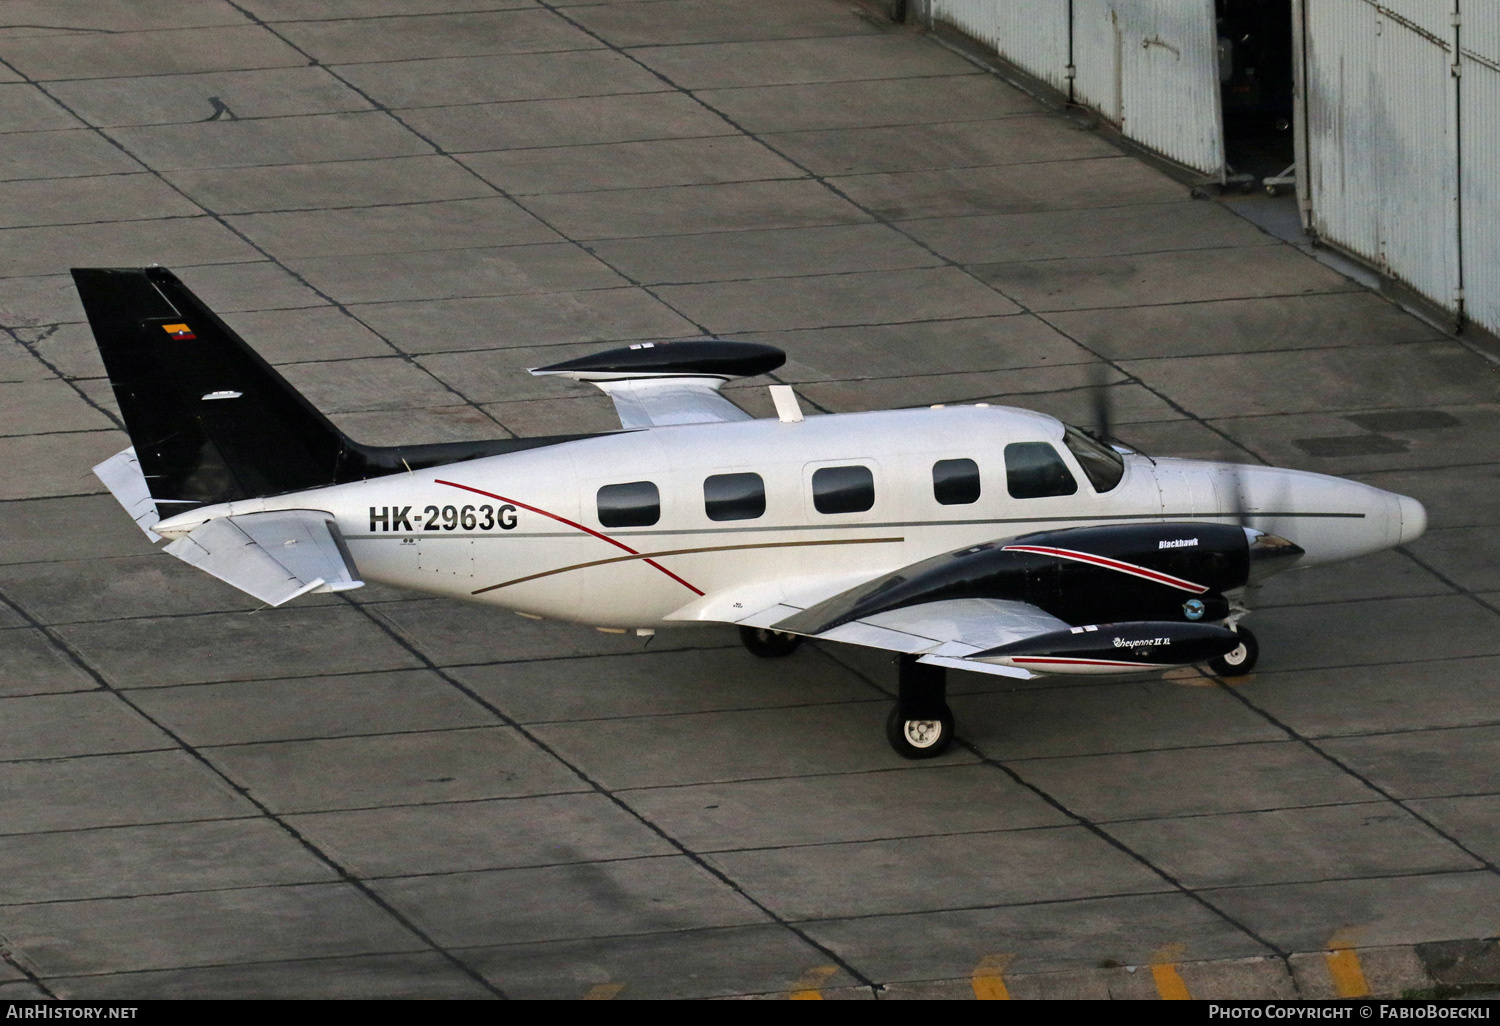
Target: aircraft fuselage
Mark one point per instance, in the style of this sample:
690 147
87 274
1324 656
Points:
526 531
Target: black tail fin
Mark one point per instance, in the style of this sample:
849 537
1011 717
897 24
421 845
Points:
210 419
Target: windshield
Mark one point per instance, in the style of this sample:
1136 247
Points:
1102 464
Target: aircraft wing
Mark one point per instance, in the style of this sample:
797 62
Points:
942 633
274 557
656 384
658 402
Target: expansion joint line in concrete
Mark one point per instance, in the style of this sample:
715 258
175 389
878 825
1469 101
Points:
1093 828
396 635
889 223
442 152
1406 551
72 383
342 873
274 261
1319 751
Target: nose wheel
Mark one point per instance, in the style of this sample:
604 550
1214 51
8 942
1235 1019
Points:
921 724
1237 661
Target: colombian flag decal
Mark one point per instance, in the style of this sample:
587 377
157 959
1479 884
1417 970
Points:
178 331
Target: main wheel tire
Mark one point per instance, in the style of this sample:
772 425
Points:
769 644
1238 661
919 739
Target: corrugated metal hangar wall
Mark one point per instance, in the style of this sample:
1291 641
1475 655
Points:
1395 113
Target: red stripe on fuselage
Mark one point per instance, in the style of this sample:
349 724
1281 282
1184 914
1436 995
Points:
576 526
1111 564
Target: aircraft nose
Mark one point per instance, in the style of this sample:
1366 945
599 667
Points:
1413 519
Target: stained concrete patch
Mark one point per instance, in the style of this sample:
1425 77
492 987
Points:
1308 916
474 835
202 928
97 723
588 899
311 707
178 98
1292 845
845 807
882 877
330 184
113 790
631 165
413 975
394 769
33 664
655 683
1193 781
725 962
235 646
507 78
163 858
703 747
1123 930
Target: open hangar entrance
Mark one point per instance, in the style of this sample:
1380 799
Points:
1384 116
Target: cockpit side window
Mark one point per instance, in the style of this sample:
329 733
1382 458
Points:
1102 464
1034 470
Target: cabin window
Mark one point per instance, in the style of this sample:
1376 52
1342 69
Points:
1034 470
843 489
734 496
955 482
1102 464
637 504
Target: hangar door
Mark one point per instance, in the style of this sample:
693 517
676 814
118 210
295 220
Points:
1382 134
1149 67
1403 142
1479 144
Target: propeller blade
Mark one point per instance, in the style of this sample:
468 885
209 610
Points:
1239 497
1101 402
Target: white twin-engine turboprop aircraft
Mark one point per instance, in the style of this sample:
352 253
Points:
972 537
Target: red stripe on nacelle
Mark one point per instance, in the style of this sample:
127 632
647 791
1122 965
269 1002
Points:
1111 564
1054 660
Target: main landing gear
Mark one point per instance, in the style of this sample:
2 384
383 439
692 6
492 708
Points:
769 644
921 724
1238 661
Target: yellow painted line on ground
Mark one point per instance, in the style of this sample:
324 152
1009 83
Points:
1343 965
1169 983
809 986
603 991
988 978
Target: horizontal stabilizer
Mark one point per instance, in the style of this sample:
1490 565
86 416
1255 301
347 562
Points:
274 557
122 475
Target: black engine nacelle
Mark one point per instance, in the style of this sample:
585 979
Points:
1084 575
1115 647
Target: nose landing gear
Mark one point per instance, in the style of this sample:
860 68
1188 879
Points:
920 725
1237 661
